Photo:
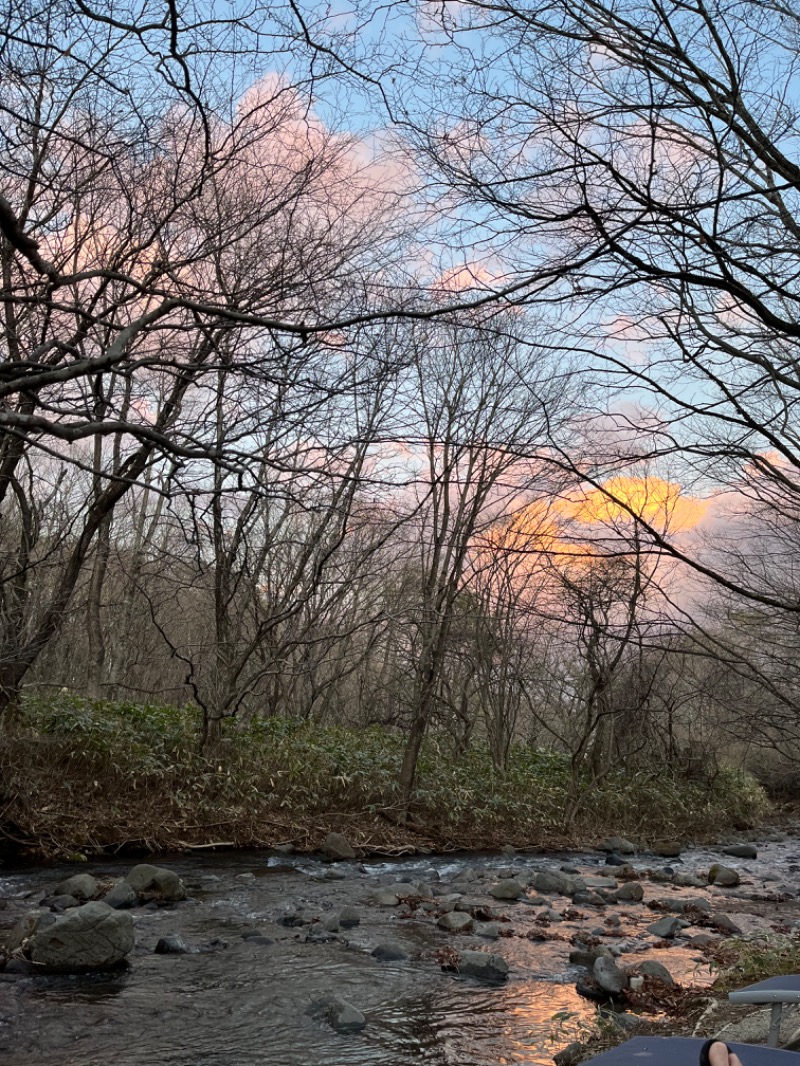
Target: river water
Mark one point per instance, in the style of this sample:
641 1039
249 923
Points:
236 1001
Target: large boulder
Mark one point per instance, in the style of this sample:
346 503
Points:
619 845
609 976
509 888
91 937
630 892
557 882
456 922
724 876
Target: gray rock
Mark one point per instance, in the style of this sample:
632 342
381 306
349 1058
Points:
284 849
558 883
389 952
587 898
509 888
584 956
90 937
571 1055
331 923
384 897
26 927
337 848
488 930
249 876
171 944
618 844
741 851
340 1015
59 903
349 918
120 896
609 976
140 877
725 924
483 966
169 885
598 883
508 850
723 876
651 968
667 849
630 892
456 922
82 886
665 927
687 880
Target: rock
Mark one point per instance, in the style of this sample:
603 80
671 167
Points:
620 845
651 968
483 966
456 922
332 874
336 848
508 850
598 883
331 923
667 849
156 879
687 880
389 952
609 976
741 851
631 892
384 897
581 955
588 899
349 918
665 927
265 941
284 849
59 903
90 937
587 987
82 886
510 888
489 930
171 944
249 876
26 927
725 924
723 876
558 883
571 1055
341 1015
120 895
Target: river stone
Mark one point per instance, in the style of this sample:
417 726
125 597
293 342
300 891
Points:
456 922
665 927
171 944
687 880
384 897
349 918
81 886
558 883
389 952
120 895
26 927
480 964
609 976
59 903
331 924
723 876
725 924
667 849
336 847
631 892
489 930
741 851
90 937
598 883
618 844
571 1055
341 1015
585 956
651 968
508 850
588 898
283 849
509 888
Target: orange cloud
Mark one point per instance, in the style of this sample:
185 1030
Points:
660 503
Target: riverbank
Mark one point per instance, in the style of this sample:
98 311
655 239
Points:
86 778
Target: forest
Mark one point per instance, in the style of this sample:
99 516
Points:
397 420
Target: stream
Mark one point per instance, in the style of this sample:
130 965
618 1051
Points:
243 1001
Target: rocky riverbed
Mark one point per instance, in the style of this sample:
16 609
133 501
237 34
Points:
288 959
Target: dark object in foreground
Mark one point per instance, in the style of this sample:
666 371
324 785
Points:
775 990
685 1051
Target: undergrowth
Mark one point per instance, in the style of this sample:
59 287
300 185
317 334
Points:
82 774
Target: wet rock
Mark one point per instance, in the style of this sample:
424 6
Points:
723 876
337 848
651 968
332 874
331 924
587 898
384 897
571 1055
587 987
264 941
216 944
485 967
631 892
598 883
509 888
26 927
725 924
609 976
581 955
741 851
667 849
488 930
120 896
145 878
665 927
82 886
389 952
508 850
90 937
618 844
558 883
249 876
702 940
284 849
687 880
456 922
59 903
349 918
340 1015
171 944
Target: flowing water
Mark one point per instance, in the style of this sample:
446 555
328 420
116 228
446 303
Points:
245 1004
